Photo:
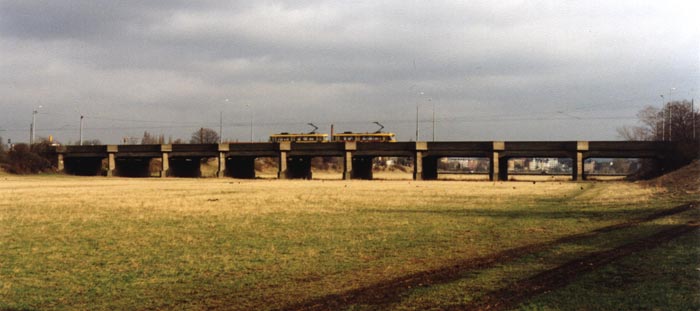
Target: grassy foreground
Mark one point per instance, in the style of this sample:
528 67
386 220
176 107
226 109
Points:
110 243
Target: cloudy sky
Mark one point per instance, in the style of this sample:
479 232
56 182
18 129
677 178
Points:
491 70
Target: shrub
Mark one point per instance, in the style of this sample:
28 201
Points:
22 160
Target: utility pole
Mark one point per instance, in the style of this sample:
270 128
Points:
250 108
81 129
663 118
416 121
692 113
221 126
433 119
670 114
670 122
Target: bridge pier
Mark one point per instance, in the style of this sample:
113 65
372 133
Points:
348 170
497 170
60 164
347 166
165 160
221 171
282 169
111 163
420 147
577 169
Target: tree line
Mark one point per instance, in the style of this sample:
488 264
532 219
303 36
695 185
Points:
201 136
675 121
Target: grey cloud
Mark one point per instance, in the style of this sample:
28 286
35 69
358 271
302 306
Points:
300 61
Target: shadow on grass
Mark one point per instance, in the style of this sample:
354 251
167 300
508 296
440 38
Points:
573 212
391 291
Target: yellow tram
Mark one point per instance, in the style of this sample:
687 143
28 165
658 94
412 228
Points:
365 137
313 137
299 138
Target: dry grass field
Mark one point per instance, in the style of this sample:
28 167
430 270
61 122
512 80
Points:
95 243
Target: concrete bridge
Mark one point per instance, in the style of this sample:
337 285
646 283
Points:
294 159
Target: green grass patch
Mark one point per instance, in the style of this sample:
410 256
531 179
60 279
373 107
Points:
665 278
111 243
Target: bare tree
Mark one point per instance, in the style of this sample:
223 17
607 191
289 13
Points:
92 142
150 139
675 121
204 136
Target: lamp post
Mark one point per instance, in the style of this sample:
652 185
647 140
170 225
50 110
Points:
431 100
663 119
250 108
417 119
221 126
221 123
33 127
416 122
670 115
81 129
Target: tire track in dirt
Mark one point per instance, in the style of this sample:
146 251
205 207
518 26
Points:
390 291
560 276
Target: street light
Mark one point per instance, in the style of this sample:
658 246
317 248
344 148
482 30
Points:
417 119
250 108
663 118
81 129
670 115
431 100
33 127
81 125
221 123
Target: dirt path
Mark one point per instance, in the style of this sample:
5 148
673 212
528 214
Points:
391 290
560 276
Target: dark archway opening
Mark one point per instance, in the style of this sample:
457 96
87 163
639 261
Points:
133 167
185 167
83 166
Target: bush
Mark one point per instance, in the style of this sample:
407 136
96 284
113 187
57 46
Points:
22 160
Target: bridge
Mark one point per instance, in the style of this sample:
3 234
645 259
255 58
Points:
294 159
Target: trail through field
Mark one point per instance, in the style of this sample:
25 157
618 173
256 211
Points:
560 276
391 291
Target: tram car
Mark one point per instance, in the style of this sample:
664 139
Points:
376 137
313 137
310 137
299 138
365 137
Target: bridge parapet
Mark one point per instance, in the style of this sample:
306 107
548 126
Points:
333 149
460 149
398 149
137 151
83 151
254 149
